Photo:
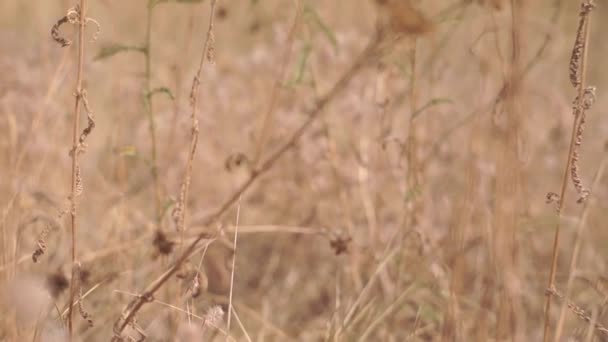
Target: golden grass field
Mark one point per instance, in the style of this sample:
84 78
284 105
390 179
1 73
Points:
303 170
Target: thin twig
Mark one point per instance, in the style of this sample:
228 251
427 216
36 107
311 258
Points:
236 234
577 310
575 252
178 309
181 210
267 120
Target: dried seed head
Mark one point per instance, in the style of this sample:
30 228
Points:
195 287
90 117
211 47
199 283
214 316
578 311
97 29
553 197
187 272
340 244
588 98
580 106
177 212
235 161
83 313
579 43
79 186
50 224
222 12
163 245
40 249
84 275
73 14
55 33
72 17
57 282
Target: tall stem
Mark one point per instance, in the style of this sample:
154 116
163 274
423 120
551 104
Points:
577 122
150 115
75 171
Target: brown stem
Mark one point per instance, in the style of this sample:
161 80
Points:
577 121
267 120
74 154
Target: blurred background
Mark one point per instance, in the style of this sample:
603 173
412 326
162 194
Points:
413 209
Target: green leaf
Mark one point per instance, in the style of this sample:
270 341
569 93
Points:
428 313
413 193
127 151
314 16
403 69
160 90
431 103
169 202
152 3
112 49
301 66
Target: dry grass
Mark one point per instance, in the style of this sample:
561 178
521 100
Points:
336 171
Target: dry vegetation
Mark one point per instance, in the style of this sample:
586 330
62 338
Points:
303 170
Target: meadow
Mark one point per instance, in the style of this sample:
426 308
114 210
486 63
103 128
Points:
303 170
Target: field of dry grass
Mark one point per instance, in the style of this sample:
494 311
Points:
303 170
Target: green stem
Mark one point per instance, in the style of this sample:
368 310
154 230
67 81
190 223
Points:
150 115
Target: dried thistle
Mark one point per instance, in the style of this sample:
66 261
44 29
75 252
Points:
57 282
340 244
163 245
213 317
